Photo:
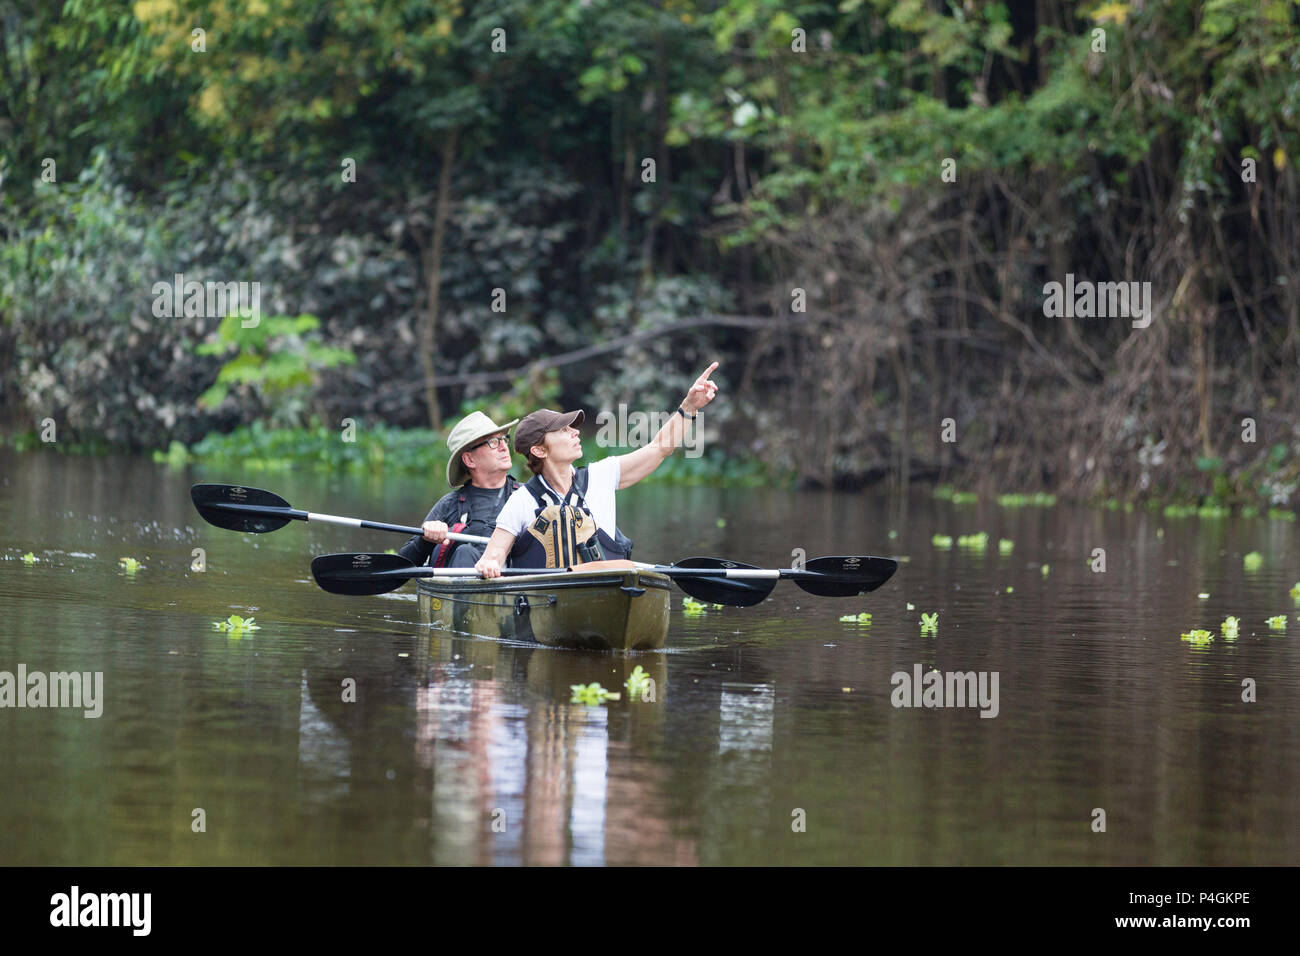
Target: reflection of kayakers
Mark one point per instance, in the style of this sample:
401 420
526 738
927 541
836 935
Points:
479 470
565 515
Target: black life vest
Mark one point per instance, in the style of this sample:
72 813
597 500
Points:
478 516
563 533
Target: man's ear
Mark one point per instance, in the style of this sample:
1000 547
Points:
534 451
466 459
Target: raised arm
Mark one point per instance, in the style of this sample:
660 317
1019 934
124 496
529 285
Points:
636 465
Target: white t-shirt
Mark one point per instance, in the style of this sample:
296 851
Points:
602 481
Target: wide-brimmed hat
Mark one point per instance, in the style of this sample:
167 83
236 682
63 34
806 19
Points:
533 428
470 430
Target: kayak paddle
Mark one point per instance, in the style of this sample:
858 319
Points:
707 579
363 573
252 510
719 581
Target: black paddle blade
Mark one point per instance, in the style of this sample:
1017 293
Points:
237 508
360 573
845 576
736 592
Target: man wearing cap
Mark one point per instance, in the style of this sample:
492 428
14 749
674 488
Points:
526 528
479 470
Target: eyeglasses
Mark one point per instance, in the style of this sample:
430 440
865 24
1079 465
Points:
494 442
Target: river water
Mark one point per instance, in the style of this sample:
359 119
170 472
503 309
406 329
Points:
773 736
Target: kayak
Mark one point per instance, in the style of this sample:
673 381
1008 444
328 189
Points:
620 609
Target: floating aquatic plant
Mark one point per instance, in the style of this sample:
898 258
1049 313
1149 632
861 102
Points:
1006 545
911 606
1198 636
1229 628
930 622
236 625
965 498
1281 514
1039 499
30 558
1204 595
692 607
863 618
1046 569
1277 622
1295 592
1010 589
130 565
942 541
1253 561
637 683
975 542
592 694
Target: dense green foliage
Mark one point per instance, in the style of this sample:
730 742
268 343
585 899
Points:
881 188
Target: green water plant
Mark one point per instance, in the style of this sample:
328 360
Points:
1203 595
1046 569
863 618
1038 499
974 542
692 607
637 683
1229 628
1253 561
30 558
130 565
236 625
942 541
930 622
1295 592
592 694
1277 622
1006 546
1198 637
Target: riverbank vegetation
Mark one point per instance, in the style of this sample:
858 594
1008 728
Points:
856 207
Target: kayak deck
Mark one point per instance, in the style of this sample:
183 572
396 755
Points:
599 609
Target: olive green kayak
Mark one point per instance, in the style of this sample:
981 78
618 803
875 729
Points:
599 609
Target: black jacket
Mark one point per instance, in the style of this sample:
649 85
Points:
448 510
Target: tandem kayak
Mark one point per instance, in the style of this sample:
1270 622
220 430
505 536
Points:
607 609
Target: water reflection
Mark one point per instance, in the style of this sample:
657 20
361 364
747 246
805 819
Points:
503 767
461 750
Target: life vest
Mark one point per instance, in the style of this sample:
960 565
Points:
478 516
563 533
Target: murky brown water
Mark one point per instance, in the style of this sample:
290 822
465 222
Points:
466 750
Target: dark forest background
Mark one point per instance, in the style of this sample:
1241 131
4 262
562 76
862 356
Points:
647 186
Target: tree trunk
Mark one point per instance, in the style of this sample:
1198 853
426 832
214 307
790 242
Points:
433 279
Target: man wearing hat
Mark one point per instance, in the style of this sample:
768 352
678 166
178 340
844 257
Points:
479 471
